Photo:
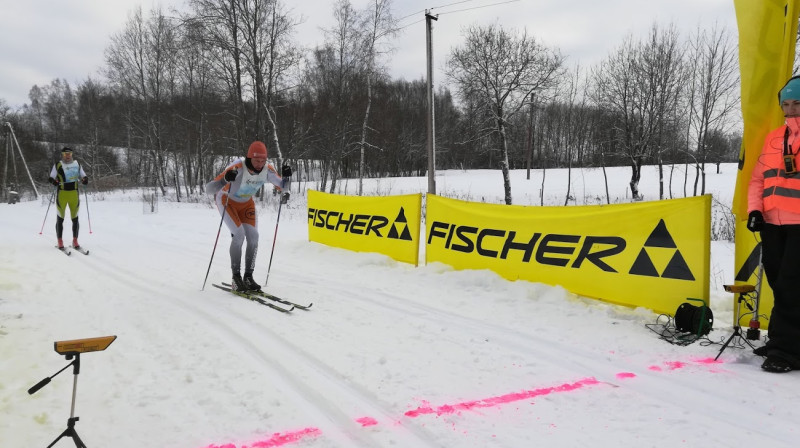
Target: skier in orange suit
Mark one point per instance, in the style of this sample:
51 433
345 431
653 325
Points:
233 190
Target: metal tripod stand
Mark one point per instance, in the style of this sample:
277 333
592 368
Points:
747 294
70 431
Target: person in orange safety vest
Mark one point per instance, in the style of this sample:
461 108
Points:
773 202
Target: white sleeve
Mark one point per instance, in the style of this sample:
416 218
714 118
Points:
273 178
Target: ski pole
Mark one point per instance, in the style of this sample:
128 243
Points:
753 330
88 216
48 208
224 211
274 237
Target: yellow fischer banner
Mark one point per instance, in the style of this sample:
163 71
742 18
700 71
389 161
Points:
388 224
649 254
767 37
767 33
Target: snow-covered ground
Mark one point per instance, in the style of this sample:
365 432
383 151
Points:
390 355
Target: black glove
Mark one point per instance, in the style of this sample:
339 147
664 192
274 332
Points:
85 180
755 221
286 171
285 198
230 176
53 181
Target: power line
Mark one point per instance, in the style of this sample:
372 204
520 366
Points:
397 21
477 7
412 23
432 7
451 4
413 14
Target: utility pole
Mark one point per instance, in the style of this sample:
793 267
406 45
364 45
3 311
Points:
431 143
529 146
21 156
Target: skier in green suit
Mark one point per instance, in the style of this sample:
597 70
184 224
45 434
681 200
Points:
65 175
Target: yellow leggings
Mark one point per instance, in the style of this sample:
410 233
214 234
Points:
68 198
64 199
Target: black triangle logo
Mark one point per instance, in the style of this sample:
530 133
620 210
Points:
405 234
677 268
643 265
401 217
750 265
660 237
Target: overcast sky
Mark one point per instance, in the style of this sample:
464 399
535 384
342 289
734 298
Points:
41 40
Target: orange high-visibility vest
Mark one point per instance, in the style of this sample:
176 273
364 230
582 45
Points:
781 190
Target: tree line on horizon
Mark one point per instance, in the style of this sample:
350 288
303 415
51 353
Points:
180 93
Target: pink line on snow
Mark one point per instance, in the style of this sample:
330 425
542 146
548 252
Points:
707 361
277 439
367 421
675 365
502 399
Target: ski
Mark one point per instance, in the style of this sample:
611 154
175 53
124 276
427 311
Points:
65 250
254 298
275 298
80 249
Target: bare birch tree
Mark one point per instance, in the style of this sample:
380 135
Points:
500 69
141 64
255 53
200 88
639 84
266 28
712 92
334 76
220 28
379 25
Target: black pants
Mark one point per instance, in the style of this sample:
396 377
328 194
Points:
60 227
781 259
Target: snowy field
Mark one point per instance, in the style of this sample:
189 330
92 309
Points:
389 355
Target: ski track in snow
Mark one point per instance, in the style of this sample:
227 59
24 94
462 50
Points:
287 363
661 388
273 368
